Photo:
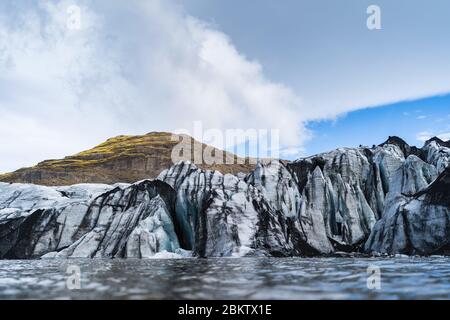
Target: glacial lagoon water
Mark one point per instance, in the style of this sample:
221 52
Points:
245 278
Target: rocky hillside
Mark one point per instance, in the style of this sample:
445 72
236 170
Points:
120 159
387 199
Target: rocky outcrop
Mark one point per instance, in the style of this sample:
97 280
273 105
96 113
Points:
387 199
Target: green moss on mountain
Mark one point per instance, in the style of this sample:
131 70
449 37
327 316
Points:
119 159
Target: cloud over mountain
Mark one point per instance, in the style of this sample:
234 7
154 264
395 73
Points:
131 68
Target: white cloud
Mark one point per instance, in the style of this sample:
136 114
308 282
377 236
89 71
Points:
423 136
426 135
62 90
139 66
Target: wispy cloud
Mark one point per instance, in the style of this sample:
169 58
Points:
426 135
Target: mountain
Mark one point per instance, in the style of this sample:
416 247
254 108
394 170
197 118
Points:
119 159
388 199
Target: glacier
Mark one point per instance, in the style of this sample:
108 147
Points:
387 199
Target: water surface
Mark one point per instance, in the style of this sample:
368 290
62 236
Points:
246 278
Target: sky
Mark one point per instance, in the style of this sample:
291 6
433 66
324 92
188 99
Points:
414 121
311 69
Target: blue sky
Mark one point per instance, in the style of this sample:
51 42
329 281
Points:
311 69
414 121
324 51
326 40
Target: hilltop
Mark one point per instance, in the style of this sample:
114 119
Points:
119 159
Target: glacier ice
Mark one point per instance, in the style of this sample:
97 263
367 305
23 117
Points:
388 199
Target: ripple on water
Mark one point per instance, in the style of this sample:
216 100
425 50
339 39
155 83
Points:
249 278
